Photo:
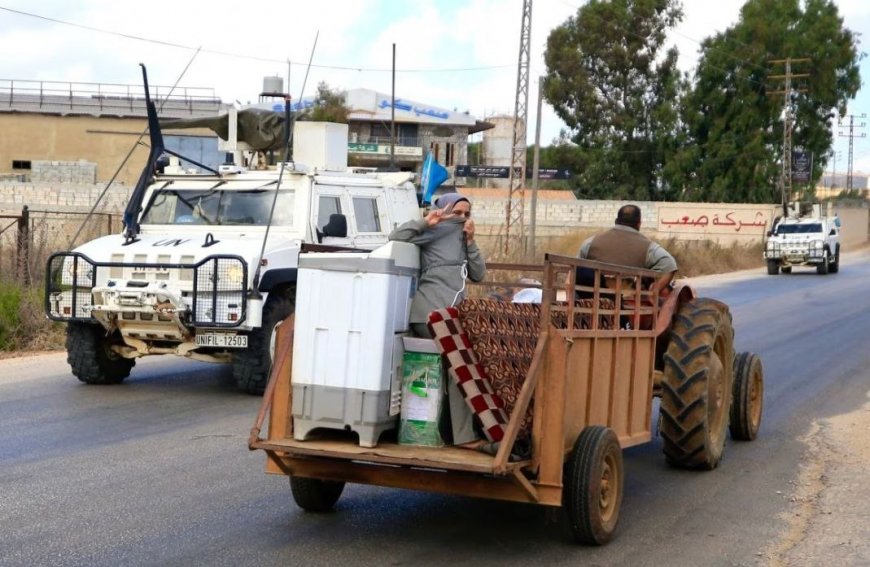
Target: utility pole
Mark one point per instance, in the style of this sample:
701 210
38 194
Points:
536 162
516 196
788 122
851 135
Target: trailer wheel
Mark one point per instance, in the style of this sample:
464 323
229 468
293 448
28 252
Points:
696 386
592 495
772 267
315 495
91 359
748 397
252 366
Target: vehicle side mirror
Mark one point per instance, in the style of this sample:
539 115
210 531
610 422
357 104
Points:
769 233
833 232
336 227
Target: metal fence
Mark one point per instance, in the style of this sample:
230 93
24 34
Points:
28 238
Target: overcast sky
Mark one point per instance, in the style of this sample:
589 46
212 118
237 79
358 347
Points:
458 54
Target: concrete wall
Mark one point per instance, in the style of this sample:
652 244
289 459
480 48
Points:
104 141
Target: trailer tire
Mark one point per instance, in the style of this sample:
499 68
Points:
315 495
748 397
696 386
592 494
772 267
252 366
91 359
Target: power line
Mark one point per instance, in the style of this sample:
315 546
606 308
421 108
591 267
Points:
247 56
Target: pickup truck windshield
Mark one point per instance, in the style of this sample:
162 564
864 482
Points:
799 228
219 207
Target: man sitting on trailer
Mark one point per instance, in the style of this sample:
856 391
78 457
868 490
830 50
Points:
626 246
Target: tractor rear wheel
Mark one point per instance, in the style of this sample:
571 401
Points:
772 267
315 495
592 493
696 386
748 397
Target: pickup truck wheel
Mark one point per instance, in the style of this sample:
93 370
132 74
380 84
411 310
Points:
824 267
251 366
772 267
315 495
592 494
90 357
748 397
786 269
696 385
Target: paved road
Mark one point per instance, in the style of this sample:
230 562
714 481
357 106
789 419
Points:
156 471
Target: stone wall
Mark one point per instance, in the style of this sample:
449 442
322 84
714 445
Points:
62 197
78 172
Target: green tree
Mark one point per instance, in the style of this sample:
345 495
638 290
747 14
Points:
610 80
329 106
734 119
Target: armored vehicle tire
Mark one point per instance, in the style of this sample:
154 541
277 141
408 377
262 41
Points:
824 267
91 359
696 386
748 397
786 269
315 495
593 487
772 267
834 266
251 366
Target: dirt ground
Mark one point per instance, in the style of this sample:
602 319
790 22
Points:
829 516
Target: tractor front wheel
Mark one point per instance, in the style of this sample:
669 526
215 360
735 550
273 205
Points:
748 397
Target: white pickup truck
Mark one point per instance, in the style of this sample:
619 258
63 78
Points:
804 241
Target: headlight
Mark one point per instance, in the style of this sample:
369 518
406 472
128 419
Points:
818 244
234 274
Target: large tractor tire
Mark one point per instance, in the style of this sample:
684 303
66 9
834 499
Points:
592 494
315 495
252 366
696 386
772 267
90 357
748 397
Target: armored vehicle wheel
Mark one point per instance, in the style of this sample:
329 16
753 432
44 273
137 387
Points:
772 267
696 387
824 267
834 266
91 359
786 269
315 495
592 493
748 397
251 366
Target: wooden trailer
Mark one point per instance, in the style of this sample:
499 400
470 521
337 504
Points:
596 364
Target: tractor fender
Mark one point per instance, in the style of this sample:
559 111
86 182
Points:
680 294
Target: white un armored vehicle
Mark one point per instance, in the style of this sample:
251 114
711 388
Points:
804 240
206 267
